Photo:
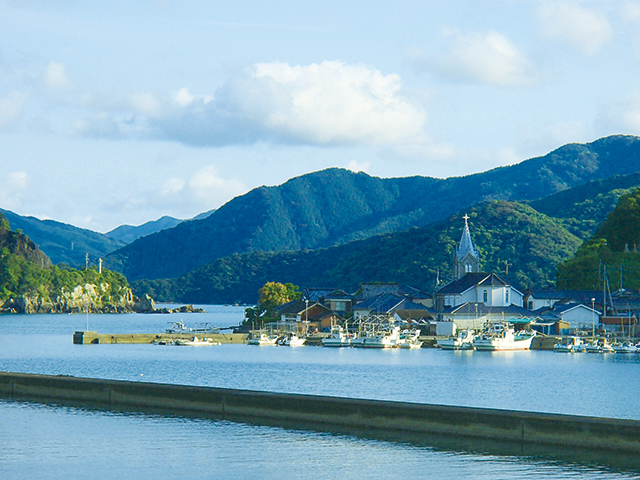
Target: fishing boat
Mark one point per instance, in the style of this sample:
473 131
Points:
600 345
409 339
293 340
196 342
502 337
262 339
569 345
180 327
339 337
381 339
462 341
624 347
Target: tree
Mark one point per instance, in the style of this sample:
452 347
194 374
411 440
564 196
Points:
272 295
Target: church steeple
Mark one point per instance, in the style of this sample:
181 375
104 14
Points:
466 259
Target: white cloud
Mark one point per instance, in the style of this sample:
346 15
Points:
11 192
486 57
331 103
570 22
173 185
146 104
623 115
11 108
56 76
211 189
356 166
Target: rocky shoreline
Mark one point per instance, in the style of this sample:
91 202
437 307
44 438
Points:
88 299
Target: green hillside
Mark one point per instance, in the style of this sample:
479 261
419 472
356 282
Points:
335 206
64 243
614 245
529 242
28 280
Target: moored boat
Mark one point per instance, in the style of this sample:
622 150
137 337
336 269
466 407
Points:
381 339
600 345
462 341
569 345
409 339
293 340
501 337
338 337
262 339
624 347
196 342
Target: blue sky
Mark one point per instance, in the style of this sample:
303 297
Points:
121 112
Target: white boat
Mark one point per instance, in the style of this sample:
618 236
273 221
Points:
196 342
569 345
462 341
409 339
624 347
501 337
381 339
262 339
338 337
600 345
180 327
294 340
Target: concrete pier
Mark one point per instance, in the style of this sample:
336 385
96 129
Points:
83 338
321 412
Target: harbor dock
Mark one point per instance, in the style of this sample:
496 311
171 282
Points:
84 338
324 412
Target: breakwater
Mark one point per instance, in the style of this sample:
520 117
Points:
82 338
313 411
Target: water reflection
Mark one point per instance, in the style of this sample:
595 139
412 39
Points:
48 441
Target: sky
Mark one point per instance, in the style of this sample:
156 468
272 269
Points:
117 113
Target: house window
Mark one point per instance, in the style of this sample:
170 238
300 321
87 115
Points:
485 297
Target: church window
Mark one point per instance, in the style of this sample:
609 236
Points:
485 297
507 297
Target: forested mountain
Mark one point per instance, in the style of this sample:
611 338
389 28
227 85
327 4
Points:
505 233
63 243
335 206
582 209
29 283
615 245
129 233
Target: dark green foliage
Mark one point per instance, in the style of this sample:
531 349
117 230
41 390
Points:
63 243
25 270
335 206
503 231
582 209
620 230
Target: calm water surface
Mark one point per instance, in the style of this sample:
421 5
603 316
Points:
41 441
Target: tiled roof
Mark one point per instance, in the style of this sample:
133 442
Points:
471 280
387 303
469 308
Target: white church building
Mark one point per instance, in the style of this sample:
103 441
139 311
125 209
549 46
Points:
485 296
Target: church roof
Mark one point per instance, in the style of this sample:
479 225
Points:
471 308
472 279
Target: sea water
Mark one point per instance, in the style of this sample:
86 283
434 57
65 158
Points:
49 441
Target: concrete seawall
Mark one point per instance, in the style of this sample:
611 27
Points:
311 410
82 338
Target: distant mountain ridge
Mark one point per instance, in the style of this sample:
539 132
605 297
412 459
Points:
336 206
129 233
504 232
61 242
